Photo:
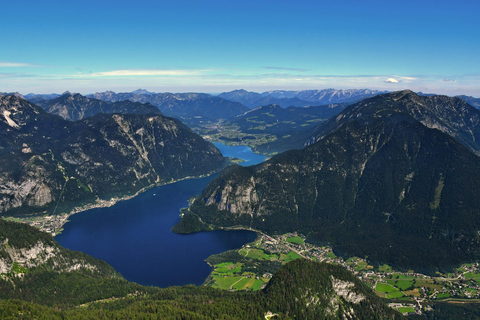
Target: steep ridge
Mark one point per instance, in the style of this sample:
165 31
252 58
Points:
380 184
475 102
47 163
75 107
450 115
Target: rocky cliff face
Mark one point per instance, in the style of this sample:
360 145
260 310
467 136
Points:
380 184
31 257
23 249
51 164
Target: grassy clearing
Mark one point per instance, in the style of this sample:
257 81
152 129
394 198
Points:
257 254
292 256
443 295
243 282
385 268
385 287
227 268
394 295
404 284
257 285
400 276
249 284
361 265
471 275
296 240
240 285
224 282
406 310
413 293
428 283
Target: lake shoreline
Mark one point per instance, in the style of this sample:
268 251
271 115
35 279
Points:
53 224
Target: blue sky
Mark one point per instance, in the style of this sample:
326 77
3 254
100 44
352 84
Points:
221 45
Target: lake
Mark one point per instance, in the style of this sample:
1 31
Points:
134 236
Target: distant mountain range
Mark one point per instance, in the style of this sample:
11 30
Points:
377 183
75 107
182 105
475 102
48 163
283 98
298 98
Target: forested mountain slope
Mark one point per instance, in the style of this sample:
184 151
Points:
47 163
379 184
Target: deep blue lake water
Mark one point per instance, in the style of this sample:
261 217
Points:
134 236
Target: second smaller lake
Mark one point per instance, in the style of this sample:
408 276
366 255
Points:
241 152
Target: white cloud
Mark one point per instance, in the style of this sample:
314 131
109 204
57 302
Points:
287 69
14 64
145 72
391 80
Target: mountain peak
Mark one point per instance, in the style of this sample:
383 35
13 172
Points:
142 91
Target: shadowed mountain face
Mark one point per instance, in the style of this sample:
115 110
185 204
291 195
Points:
47 163
291 126
450 115
475 102
274 119
75 107
379 183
